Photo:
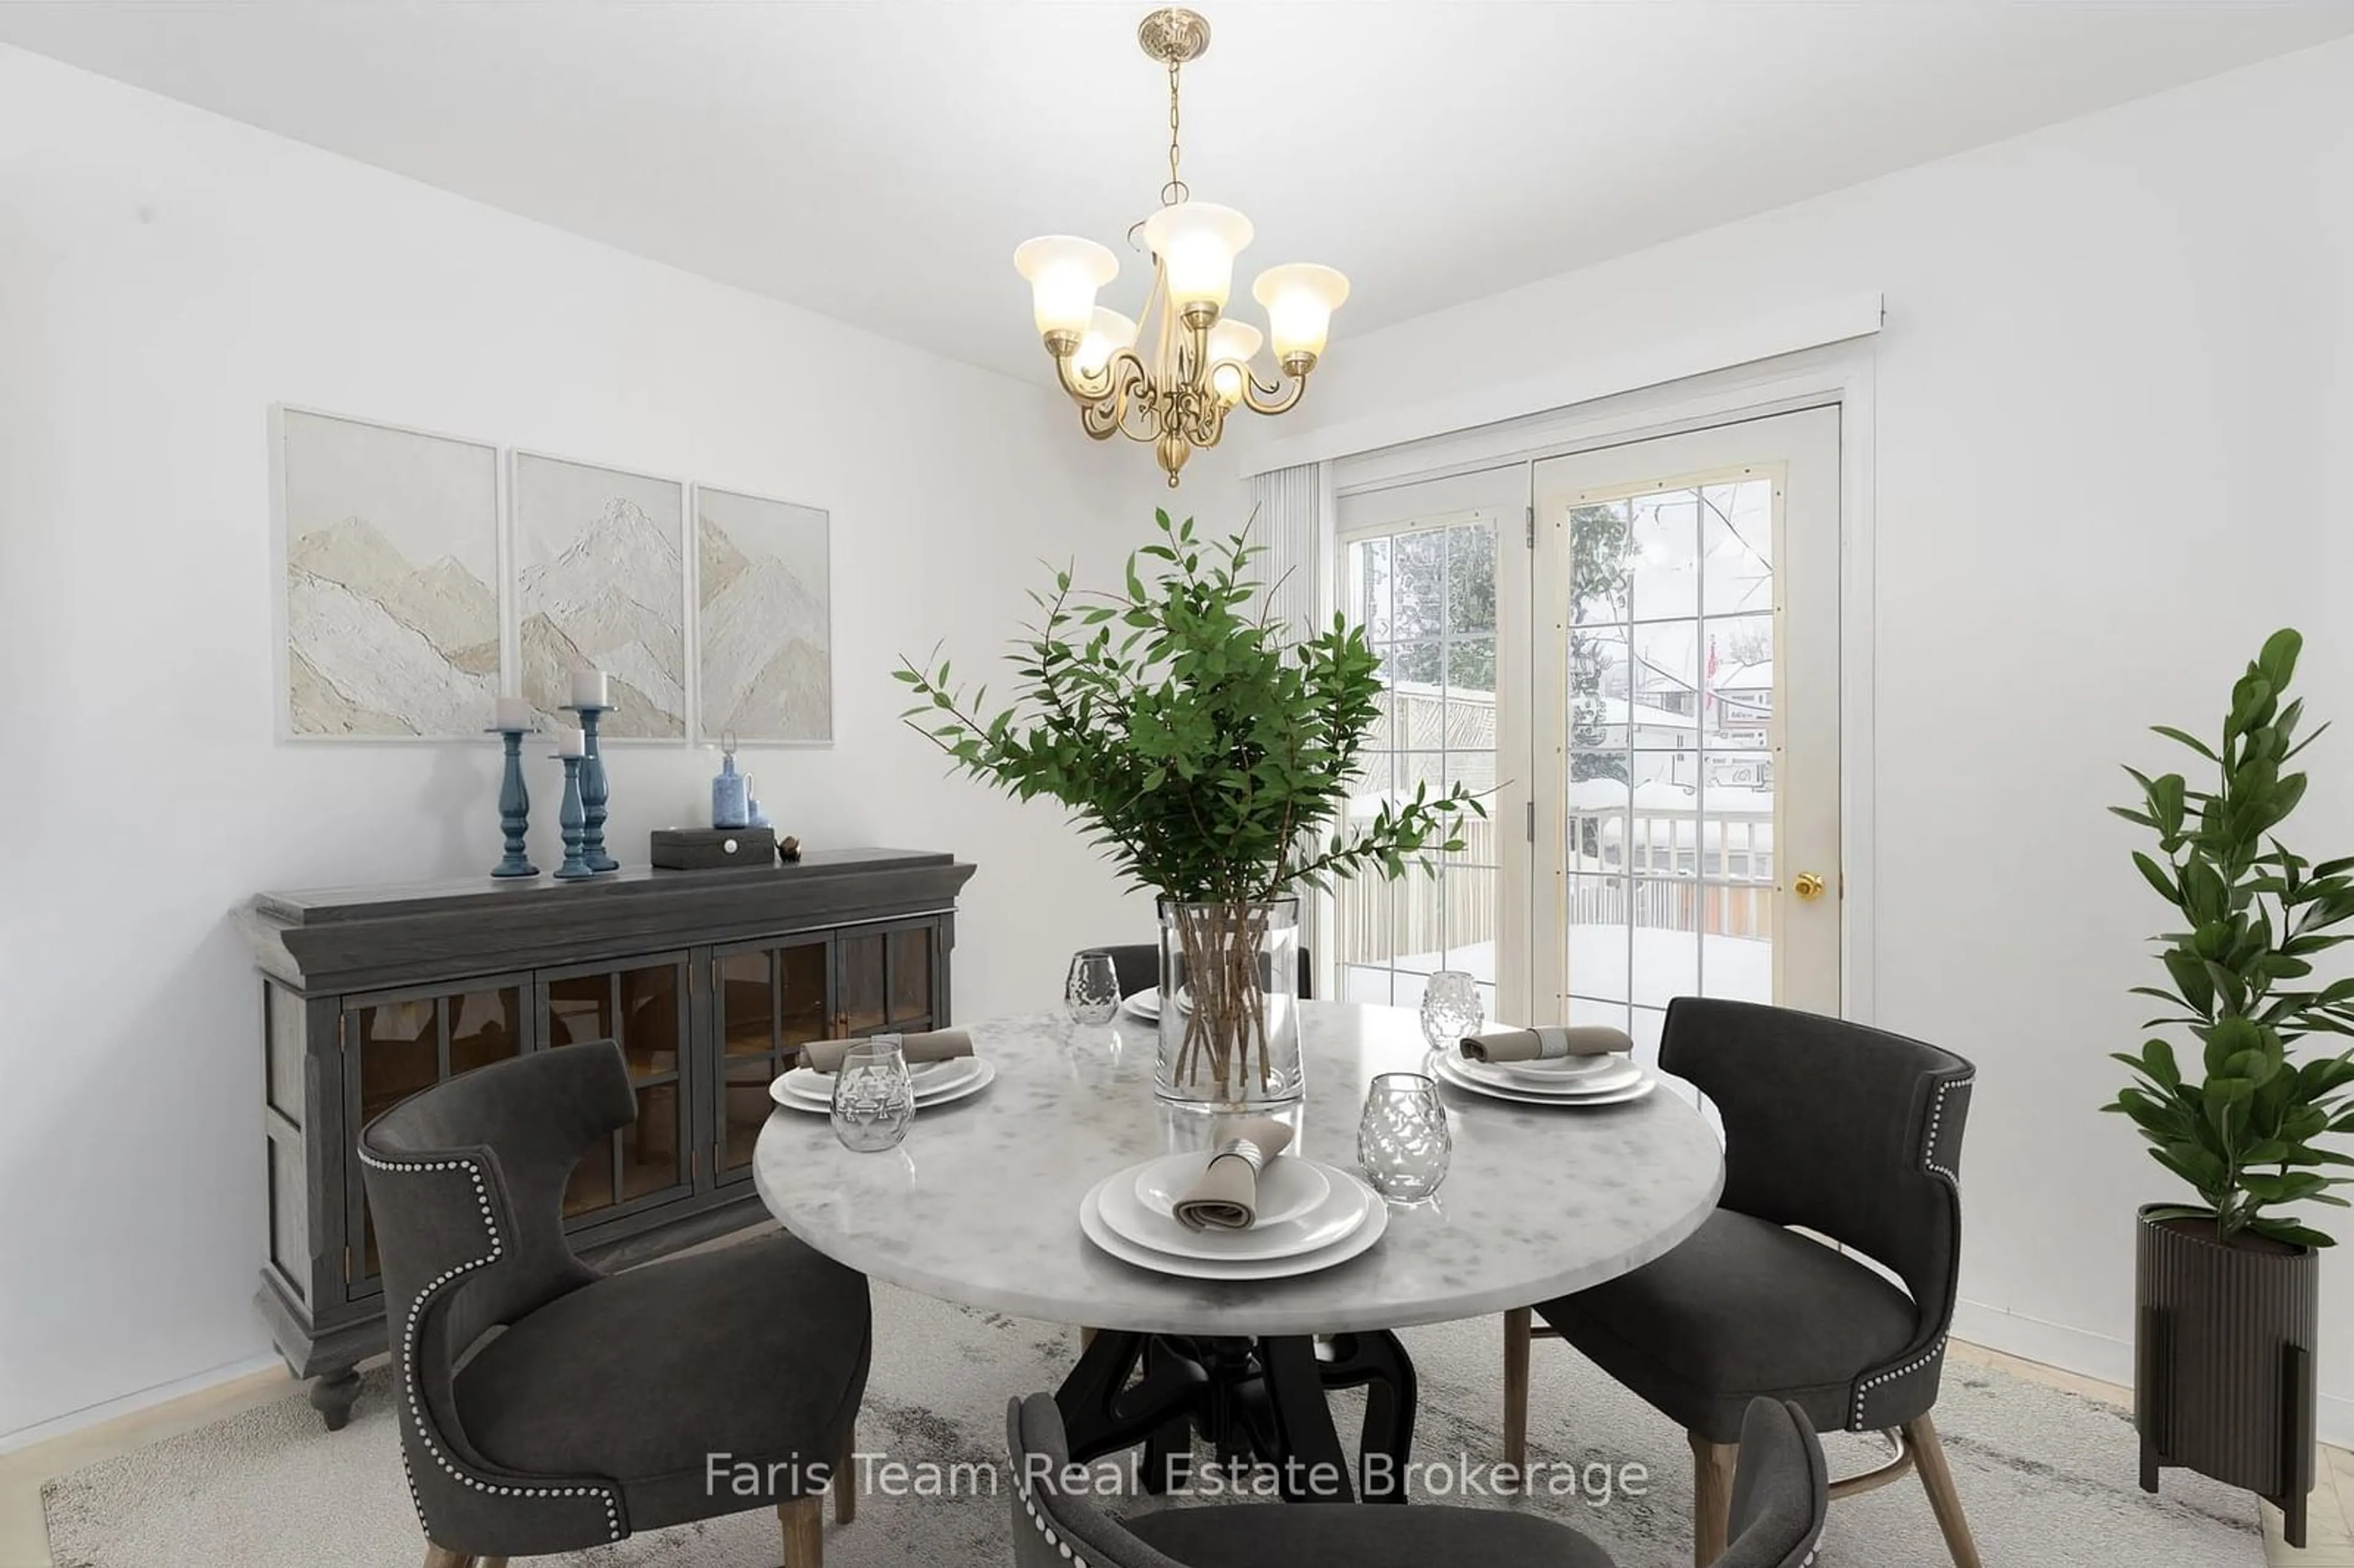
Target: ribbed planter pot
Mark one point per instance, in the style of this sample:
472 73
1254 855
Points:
2223 1377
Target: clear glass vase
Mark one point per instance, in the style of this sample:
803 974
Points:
1230 1005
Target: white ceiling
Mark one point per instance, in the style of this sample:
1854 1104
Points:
878 162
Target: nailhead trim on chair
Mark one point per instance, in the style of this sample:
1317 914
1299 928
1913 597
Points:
1936 1123
1022 1485
408 1360
1855 1422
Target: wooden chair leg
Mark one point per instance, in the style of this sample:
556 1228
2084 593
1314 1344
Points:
443 1557
804 1522
1516 1390
1937 1481
490 1563
1712 1497
845 1480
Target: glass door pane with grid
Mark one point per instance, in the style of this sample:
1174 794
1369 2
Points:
1688 721
1429 571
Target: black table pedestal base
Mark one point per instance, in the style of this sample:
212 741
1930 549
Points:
1256 1401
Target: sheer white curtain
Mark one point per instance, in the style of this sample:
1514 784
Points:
1289 525
1288 522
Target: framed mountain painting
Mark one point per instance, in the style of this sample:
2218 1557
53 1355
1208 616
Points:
390 541
600 583
764 624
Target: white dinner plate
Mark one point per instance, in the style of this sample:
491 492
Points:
1344 1208
1145 1004
1619 1073
1287 1189
1553 1069
1091 1223
930 1078
1451 1072
935 1074
823 1103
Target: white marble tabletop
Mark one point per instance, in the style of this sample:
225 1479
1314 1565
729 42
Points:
980 1206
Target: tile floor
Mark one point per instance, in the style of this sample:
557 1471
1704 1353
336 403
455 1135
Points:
25 1541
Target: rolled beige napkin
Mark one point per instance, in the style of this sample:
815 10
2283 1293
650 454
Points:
1225 1196
1545 1041
938 1045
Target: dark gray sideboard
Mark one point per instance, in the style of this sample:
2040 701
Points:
710 980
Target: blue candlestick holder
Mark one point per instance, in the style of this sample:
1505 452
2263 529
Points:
514 806
575 822
595 793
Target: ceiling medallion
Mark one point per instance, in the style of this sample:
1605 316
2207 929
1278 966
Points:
1176 394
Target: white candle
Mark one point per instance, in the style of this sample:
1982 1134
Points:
589 689
514 712
571 743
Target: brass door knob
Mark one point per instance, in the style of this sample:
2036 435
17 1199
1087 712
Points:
1808 886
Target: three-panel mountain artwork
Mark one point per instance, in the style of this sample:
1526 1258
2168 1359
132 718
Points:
408 606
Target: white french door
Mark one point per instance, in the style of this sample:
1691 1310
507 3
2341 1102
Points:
1635 650
1686 724
1437 575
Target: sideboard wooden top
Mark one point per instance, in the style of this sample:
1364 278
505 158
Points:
349 938
314 907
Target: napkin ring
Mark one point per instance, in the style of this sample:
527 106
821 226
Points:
1242 1149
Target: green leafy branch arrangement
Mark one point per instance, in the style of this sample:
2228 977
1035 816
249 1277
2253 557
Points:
1210 760
2244 1134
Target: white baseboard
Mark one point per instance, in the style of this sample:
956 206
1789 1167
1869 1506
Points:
144 1400
2088 1354
2079 1350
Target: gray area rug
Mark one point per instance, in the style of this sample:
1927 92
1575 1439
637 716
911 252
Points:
2048 1476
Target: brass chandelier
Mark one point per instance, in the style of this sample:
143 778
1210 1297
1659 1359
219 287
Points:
1176 395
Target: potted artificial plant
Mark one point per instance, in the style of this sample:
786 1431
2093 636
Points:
1212 759
2227 1290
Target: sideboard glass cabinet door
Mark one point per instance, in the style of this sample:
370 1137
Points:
884 979
396 1043
771 999
644 1008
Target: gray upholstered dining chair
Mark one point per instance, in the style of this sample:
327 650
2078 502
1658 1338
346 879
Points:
1855 1135
1138 964
1778 1502
546 1407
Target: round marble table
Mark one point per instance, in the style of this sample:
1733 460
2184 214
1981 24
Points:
980 1206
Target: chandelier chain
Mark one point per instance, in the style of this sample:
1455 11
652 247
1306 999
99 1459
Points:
1174 191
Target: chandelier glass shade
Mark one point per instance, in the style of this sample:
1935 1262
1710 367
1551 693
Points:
1170 376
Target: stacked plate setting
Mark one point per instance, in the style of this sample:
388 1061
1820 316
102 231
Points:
1310 1217
935 1084
1551 1081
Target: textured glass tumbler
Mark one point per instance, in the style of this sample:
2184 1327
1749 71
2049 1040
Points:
874 1098
1402 1141
1092 993
1450 1008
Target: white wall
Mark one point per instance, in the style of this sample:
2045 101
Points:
164 276
2116 415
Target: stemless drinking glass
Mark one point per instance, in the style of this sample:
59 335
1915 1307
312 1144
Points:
1092 993
874 1098
1450 1008
1402 1141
